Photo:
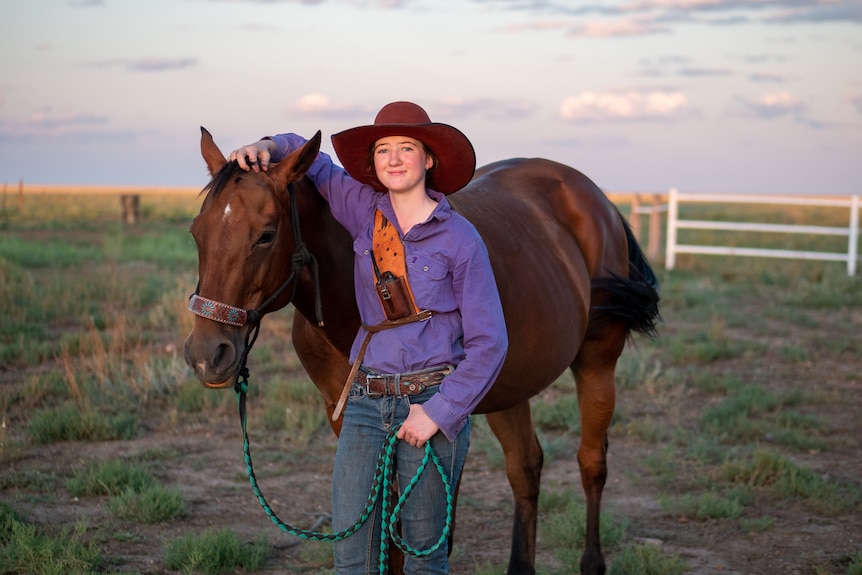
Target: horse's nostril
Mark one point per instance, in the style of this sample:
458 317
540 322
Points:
210 361
222 356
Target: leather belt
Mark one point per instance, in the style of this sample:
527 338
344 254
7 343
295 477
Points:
411 383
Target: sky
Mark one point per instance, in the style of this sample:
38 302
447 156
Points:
747 96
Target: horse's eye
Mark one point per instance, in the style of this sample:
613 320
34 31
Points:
266 237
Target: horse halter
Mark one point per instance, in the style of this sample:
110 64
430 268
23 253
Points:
238 317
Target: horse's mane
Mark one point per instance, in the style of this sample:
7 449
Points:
220 180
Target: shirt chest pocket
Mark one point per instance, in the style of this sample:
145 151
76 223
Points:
364 266
430 282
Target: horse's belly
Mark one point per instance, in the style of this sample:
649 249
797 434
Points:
545 301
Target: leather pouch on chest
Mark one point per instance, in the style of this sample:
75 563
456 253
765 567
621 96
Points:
392 285
394 295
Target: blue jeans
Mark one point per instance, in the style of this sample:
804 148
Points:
367 422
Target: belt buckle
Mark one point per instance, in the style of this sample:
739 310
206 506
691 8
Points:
376 377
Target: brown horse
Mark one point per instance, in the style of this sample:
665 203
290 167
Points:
572 279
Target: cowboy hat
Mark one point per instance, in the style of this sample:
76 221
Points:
456 159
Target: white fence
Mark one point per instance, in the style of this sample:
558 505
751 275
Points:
674 223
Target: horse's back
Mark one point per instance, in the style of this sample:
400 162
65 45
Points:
550 190
549 231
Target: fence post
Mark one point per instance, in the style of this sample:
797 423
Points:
654 245
130 207
635 218
853 243
670 250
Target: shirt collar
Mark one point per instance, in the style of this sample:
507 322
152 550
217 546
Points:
442 211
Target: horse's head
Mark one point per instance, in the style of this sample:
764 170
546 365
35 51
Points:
245 239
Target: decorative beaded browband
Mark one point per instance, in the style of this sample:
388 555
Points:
217 311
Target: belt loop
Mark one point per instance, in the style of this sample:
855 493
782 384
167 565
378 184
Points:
396 388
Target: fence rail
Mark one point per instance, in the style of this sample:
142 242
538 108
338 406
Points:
675 223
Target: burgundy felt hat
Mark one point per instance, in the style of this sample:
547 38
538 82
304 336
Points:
456 159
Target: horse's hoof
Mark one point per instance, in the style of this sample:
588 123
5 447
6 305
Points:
593 565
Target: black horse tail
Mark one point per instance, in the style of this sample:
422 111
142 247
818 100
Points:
633 300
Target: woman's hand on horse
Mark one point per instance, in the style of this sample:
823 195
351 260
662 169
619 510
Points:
254 156
418 427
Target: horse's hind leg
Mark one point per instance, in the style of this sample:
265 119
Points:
594 374
523 453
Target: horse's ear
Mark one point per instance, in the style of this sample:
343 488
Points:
212 155
296 163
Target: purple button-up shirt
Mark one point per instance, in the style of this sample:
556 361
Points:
449 273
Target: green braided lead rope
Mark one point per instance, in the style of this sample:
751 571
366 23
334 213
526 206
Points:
390 518
383 482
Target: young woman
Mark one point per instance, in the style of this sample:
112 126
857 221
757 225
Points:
426 375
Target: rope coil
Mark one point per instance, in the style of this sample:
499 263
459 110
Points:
383 482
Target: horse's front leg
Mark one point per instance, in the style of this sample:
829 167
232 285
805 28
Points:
523 454
327 366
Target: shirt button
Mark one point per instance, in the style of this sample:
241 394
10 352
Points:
425 269
367 252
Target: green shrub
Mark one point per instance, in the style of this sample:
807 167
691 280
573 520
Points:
215 552
708 505
151 504
787 481
8 517
30 551
110 478
645 560
70 423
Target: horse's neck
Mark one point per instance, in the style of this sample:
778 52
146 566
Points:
332 248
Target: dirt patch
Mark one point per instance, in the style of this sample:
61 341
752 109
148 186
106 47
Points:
202 456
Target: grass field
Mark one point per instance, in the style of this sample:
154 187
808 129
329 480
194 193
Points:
735 446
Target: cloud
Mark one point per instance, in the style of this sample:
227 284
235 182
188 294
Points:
704 72
592 142
616 29
767 78
496 109
146 64
728 12
620 18
320 105
631 106
591 29
160 64
818 12
774 105
309 2
763 58
856 102
50 122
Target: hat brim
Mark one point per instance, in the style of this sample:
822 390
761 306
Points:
456 158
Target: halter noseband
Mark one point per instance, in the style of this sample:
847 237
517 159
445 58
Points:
231 315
